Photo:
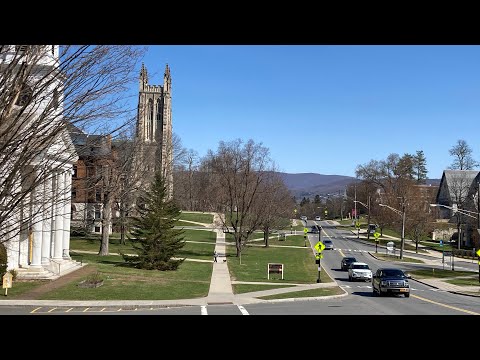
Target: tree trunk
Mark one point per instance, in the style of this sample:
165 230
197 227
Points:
106 220
265 236
122 224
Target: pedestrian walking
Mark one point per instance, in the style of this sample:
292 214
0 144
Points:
215 256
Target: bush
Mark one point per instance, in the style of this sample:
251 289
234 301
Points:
78 231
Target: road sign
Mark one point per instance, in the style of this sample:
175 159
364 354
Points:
319 246
357 224
305 230
478 252
319 256
376 235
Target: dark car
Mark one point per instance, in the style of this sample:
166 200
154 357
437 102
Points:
346 261
314 229
390 281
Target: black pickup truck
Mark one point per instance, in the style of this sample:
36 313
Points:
390 281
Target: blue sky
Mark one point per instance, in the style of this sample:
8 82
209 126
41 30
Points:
325 109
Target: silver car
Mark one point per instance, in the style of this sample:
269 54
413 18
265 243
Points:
328 244
359 271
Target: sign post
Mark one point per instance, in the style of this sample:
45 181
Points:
443 254
319 246
376 235
357 225
305 231
7 281
478 254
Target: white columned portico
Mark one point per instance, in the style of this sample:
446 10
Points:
48 207
59 206
36 229
67 213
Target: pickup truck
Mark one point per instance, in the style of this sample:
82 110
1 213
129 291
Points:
390 281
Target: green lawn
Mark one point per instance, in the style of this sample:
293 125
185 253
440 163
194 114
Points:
306 293
299 264
190 280
473 281
438 273
186 223
246 288
197 217
93 244
202 251
397 258
19 287
200 235
290 240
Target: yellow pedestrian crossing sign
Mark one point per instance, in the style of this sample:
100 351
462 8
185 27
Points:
319 246
319 256
305 230
478 252
357 224
377 235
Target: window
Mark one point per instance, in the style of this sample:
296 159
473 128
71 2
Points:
74 194
55 99
20 48
75 171
25 96
97 213
53 49
97 229
98 195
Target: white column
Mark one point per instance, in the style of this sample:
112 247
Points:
37 220
67 213
47 224
58 247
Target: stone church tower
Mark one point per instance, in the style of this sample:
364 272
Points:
154 127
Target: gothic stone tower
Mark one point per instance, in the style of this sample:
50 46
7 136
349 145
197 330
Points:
154 127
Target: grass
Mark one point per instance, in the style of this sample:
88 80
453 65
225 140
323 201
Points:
197 217
473 281
299 264
290 240
20 287
186 223
438 273
200 235
246 288
190 280
305 293
396 258
203 251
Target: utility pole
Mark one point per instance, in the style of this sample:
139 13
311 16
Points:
402 242
355 202
368 221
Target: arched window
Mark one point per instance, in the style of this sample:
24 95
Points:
159 109
150 119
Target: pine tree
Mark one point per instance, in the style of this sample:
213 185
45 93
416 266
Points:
420 167
153 235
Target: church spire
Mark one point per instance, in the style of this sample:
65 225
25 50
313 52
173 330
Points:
167 80
143 76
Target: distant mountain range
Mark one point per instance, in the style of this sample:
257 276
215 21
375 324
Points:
311 184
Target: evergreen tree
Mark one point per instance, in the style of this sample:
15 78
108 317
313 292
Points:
420 167
317 199
153 235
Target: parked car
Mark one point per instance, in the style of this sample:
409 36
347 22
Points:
314 229
303 217
359 271
317 218
328 244
390 281
346 261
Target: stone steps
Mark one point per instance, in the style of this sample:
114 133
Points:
50 272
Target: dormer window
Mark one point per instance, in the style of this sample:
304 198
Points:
20 48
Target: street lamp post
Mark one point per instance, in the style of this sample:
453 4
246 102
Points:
403 215
368 216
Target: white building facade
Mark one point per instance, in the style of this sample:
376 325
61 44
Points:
36 230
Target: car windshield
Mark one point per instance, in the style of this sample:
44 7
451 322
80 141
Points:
360 266
392 273
327 242
350 259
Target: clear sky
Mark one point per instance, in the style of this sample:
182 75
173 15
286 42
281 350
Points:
325 109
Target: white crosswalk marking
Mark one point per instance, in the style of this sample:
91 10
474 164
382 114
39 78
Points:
243 310
203 310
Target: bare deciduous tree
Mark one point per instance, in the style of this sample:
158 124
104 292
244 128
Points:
462 156
41 89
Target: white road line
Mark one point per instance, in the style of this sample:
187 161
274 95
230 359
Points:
243 310
86 309
203 310
31 312
69 310
102 309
